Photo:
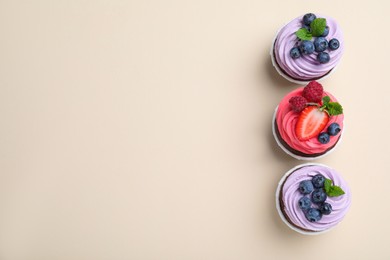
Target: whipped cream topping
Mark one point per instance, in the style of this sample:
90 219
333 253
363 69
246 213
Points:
306 67
286 121
291 196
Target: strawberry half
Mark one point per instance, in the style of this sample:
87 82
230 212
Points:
311 122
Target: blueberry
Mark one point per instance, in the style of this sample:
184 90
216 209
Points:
294 53
305 187
320 44
304 203
313 215
318 196
323 57
308 18
307 27
325 208
306 47
318 181
323 138
333 129
326 31
334 44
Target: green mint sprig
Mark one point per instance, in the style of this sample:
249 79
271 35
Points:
317 28
332 108
304 34
332 190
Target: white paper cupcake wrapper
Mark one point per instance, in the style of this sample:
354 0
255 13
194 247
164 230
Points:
303 232
298 157
284 75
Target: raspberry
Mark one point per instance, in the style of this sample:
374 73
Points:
297 103
313 92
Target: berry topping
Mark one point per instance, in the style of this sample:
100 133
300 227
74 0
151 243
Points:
323 138
307 27
305 187
294 53
317 28
297 103
318 196
308 18
313 215
334 44
325 208
306 47
310 123
334 129
318 181
320 44
326 31
313 92
304 203
323 57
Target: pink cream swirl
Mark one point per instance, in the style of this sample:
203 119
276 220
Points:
306 67
286 120
291 196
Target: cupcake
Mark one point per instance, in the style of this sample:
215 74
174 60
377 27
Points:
312 198
308 122
307 48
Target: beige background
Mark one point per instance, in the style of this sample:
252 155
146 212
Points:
142 130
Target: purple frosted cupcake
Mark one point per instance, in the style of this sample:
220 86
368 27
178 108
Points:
307 48
312 198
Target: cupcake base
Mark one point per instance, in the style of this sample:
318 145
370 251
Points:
280 204
297 154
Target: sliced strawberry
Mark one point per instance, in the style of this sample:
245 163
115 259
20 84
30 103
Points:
310 123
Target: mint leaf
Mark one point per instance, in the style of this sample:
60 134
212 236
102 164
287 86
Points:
334 108
326 100
335 191
317 27
303 34
332 190
327 185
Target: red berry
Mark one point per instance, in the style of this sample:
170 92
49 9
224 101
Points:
297 103
313 92
310 123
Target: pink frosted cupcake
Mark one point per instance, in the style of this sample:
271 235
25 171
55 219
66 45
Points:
307 48
308 123
312 198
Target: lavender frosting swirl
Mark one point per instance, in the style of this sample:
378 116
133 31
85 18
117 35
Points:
291 195
306 67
